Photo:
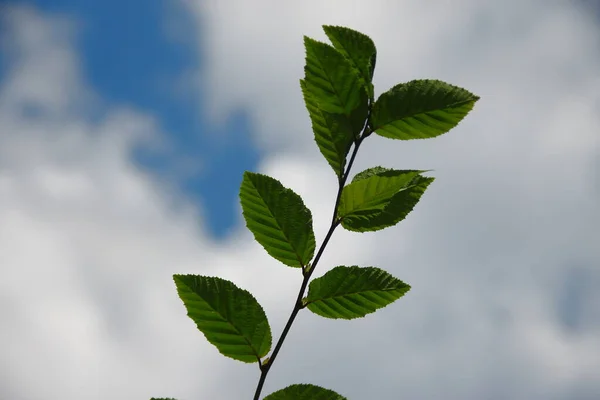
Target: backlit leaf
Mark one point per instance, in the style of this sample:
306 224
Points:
378 198
372 189
358 48
230 317
353 292
334 84
333 133
304 392
278 218
420 109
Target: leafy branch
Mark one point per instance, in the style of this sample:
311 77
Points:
307 272
339 96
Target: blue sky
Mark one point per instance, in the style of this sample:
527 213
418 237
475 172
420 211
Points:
130 55
126 127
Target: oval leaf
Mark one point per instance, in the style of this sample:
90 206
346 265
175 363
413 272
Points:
333 133
396 210
372 190
335 84
358 48
230 317
370 172
420 109
353 292
278 218
304 392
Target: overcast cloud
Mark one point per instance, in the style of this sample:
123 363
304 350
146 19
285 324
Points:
502 252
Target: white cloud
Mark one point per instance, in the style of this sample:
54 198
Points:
88 242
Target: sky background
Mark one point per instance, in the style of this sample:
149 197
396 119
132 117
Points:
125 129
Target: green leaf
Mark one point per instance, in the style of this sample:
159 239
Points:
304 392
420 109
400 205
370 172
278 218
371 190
353 292
333 133
335 84
230 317
358 48
379 198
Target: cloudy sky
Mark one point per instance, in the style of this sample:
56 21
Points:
124 133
